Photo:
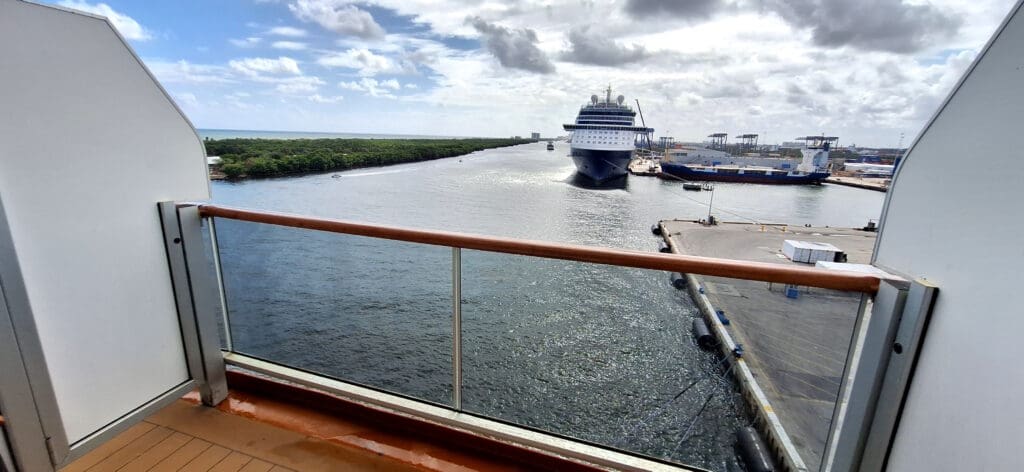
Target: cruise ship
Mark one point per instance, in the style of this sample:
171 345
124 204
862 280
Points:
602 138
722 167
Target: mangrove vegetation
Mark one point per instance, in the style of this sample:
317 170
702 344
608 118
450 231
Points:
243 157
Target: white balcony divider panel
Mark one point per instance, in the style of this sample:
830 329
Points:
954 217
89 143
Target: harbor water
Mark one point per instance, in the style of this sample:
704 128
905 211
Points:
598 353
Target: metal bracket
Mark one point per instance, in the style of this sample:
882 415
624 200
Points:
195 291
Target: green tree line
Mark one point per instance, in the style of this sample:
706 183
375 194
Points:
243 157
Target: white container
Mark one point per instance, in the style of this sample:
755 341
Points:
789 249
809 252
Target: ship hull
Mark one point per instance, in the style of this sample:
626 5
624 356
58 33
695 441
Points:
686 173
601 165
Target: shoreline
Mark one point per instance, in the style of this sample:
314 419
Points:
257 158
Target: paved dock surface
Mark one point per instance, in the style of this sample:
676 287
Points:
796 348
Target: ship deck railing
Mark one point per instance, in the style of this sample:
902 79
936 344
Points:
777 273
186 222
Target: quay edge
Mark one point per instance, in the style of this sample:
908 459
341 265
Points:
768 422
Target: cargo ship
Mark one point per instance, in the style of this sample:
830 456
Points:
812 169
603 136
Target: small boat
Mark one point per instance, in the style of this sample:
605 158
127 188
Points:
692 186
551 146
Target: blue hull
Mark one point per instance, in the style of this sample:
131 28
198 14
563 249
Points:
601 165
686 173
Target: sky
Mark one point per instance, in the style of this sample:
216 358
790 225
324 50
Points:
868 71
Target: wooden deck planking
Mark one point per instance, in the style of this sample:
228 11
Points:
257 465
188 437
182 456
148 460
208 458
232 463
109 447
131 451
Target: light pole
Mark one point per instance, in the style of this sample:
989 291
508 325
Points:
712 200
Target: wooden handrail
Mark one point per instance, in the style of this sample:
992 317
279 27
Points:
748 270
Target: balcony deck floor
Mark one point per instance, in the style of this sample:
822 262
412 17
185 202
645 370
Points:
189 437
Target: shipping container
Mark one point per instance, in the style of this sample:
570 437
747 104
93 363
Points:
809 252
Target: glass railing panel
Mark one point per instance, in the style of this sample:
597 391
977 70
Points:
796 343
598 353
369 311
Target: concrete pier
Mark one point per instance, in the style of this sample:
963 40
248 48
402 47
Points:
794 349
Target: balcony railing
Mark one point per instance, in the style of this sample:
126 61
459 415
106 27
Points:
777 273
372 311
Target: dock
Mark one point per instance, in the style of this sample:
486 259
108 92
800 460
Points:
793 349
878 185
641 166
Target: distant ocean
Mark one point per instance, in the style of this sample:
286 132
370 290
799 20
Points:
243 133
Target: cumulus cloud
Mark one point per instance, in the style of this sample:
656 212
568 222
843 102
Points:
825 86
186 72
126 25
366 62
253 66
338 16
514 48
878 25
249 42
317 98
373 87
799 97
298 85
186 98
289 45
726 65
684 9
287 31
589 46
795 90
735 88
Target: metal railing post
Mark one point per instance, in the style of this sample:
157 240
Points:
457 328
